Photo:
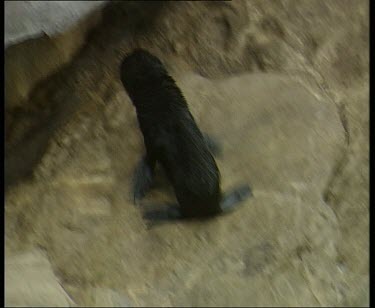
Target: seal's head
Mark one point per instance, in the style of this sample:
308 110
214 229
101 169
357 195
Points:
140 68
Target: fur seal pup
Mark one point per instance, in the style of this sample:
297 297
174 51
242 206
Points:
173 139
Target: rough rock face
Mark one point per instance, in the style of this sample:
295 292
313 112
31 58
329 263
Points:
282 85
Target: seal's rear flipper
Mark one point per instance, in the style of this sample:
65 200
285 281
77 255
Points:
233 199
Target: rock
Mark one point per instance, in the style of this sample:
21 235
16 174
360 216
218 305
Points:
281 131
30 281
276 135
32 60
108 298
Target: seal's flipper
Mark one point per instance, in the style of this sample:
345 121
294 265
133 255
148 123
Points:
233 199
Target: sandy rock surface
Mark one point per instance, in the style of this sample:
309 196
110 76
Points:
288 103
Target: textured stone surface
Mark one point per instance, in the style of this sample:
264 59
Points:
283 86
265 118
108 298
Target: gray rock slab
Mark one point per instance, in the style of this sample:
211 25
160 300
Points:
30 19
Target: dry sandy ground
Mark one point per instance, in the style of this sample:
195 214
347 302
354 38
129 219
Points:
283 86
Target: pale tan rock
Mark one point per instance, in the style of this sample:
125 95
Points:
276 135
103 297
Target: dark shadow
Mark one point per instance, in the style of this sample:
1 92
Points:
168 213
22 156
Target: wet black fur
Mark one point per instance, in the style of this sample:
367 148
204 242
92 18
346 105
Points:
173 139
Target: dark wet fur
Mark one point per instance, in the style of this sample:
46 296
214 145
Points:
173 139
